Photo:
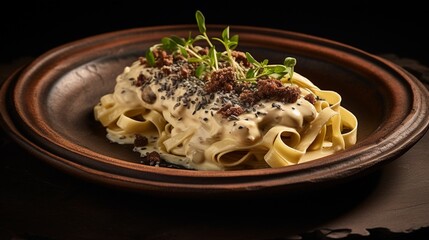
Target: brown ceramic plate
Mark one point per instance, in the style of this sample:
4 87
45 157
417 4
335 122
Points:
48 109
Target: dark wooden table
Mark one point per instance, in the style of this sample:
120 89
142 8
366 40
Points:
38 201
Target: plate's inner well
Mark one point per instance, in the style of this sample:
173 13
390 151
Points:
72 97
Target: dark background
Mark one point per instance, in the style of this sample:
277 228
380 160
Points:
41 203
30 28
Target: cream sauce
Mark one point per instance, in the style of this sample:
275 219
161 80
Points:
208 127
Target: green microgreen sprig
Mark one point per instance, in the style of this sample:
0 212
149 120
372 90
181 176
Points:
210 62
261 69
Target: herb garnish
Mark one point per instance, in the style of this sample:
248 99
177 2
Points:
210 62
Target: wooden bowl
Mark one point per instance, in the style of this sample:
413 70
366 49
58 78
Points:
48 109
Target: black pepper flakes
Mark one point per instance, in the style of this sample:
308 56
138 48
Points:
276 105
176 105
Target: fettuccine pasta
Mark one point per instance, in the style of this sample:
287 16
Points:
201 109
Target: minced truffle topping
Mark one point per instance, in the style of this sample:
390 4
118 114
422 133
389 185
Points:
236 96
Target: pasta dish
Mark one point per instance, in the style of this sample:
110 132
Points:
199 108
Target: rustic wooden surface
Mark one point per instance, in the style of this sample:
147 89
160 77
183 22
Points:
38 201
